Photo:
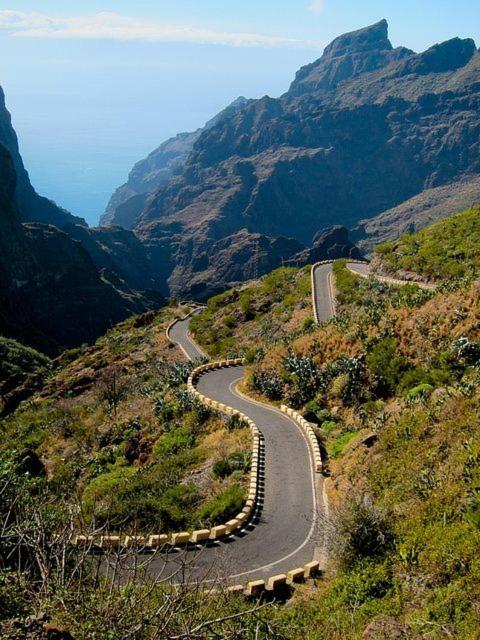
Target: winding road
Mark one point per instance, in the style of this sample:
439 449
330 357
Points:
283 533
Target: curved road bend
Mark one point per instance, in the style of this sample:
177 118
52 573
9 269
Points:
283 534
323 292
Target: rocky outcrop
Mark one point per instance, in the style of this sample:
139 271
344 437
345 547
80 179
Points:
31 206
155 170
120 253
361 130
332 244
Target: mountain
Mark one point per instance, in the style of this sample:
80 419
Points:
52 295
418 212
360 131
32 207
155 170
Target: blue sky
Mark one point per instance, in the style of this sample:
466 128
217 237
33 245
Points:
94 86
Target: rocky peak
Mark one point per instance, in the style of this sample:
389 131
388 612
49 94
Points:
372 38
347 56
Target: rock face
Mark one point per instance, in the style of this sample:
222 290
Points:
331 244
149 174
31 206
361 130
418 212
51 293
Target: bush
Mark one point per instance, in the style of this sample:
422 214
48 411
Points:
235 422
359 530
467 350
234 462
268 383
223 507
386 366
173 442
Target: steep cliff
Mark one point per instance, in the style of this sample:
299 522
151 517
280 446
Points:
32 207
155 170
51 293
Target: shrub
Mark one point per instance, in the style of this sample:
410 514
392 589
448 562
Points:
386 366
235 422
359 530
223 507
268 383
467 350
304 378
173 442
234 462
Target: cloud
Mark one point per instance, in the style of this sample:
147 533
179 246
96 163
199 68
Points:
113 26
317 6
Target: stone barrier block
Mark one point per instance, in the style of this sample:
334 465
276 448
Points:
296 575
83 541
218 532
241 518
200 535
180 538
255 588
232 525
236 589
312 569
158 540
247 510
135 541
110 542
276 582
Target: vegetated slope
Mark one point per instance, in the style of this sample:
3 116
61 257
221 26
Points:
22 371
244 321
446 249
363 129
129 200
392 384
115 429
418 212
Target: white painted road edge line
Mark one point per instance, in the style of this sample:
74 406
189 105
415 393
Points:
233 389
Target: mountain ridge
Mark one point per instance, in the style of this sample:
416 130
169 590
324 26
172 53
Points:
302 156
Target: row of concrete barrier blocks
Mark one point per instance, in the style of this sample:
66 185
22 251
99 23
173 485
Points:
256 588
200 535
310 433
218 406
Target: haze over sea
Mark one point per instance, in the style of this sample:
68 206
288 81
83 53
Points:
87 108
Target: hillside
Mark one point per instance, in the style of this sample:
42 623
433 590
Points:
418 212
392 385
302 157
113 431
449 248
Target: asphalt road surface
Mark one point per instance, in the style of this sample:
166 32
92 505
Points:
323 298
362 269
283 534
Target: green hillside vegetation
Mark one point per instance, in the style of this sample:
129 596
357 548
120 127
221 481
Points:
22 370
118 435
392 385
243 321
449 248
